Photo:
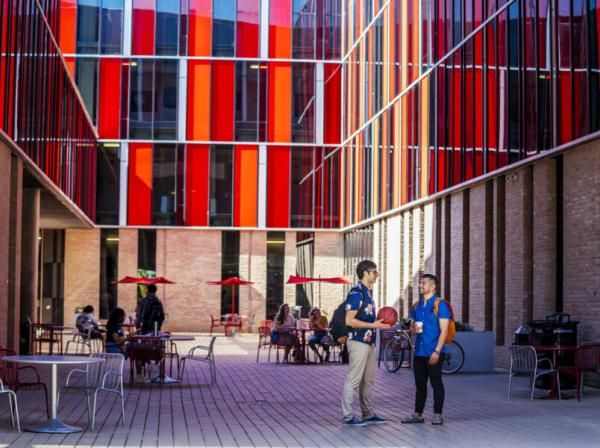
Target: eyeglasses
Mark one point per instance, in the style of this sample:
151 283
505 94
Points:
373 271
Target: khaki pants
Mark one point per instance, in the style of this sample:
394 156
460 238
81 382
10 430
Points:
361 375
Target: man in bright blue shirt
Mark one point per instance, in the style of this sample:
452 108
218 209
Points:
431 331
360 317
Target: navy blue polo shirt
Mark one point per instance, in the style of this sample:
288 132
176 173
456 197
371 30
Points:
426 342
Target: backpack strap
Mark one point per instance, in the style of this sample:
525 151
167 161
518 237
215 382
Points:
436 305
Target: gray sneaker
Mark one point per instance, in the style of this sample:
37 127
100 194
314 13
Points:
437 419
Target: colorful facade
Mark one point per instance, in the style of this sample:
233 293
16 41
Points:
441 92
211 113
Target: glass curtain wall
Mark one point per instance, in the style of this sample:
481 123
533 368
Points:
275 272
230 267
107 189
99 26
109 271
221 186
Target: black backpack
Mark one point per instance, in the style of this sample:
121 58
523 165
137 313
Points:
338 321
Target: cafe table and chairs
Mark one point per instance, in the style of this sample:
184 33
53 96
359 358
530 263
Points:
54 424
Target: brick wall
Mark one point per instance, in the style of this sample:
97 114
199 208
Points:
127 265
582 239
5 194
253 267
544 238
329 262
456 254
82 273
191 258
477 256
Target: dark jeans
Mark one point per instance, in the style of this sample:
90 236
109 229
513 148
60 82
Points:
423 371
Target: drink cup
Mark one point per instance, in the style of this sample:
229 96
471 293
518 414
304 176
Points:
419 327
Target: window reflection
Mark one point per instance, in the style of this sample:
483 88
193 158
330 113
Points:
224 12
167 27
221 186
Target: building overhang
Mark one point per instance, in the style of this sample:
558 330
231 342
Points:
57 210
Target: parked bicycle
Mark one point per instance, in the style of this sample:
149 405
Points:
399 349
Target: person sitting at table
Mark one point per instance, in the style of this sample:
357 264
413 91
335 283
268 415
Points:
116 341
86 323
283 322
319 325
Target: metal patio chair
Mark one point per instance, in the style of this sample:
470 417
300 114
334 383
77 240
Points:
106 376
201 353
12 403
524 359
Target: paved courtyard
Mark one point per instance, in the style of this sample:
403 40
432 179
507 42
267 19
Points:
268 405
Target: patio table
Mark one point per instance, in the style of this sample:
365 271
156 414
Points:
54 424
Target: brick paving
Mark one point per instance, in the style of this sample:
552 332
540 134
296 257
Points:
268 405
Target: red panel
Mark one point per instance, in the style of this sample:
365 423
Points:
223 90
333 100
479 108
200 28
140 185
278 187
280 29
565 109
142 34
110 101
197 185
248 16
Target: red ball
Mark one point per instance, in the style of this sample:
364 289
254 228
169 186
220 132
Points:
387 315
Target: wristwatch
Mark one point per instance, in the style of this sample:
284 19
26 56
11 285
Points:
436 352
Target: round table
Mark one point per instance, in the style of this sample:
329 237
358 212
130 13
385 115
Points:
54 425
165 379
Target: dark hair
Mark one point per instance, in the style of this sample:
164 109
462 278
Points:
433 278
279 315
116 318
88 309
152 289
364 266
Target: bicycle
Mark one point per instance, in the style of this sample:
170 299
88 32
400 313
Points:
401 346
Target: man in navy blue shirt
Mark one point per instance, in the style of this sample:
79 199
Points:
430 330
360 317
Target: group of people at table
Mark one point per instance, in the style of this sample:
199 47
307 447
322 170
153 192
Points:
149 318
284 322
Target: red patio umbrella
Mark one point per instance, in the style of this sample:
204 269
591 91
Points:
145 280
296 279
231 281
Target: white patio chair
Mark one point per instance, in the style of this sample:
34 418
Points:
106 376
78 346
201 353
524 359
12 403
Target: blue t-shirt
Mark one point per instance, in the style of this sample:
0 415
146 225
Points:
424 312
357 295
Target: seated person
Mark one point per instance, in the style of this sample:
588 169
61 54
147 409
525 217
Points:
283 322
86 323
116 341
318 324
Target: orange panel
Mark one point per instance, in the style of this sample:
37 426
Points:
280 102
68 21
140 184
245 200
200 27
198 113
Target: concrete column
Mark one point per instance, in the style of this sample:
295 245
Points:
30 249
289 268
393 262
